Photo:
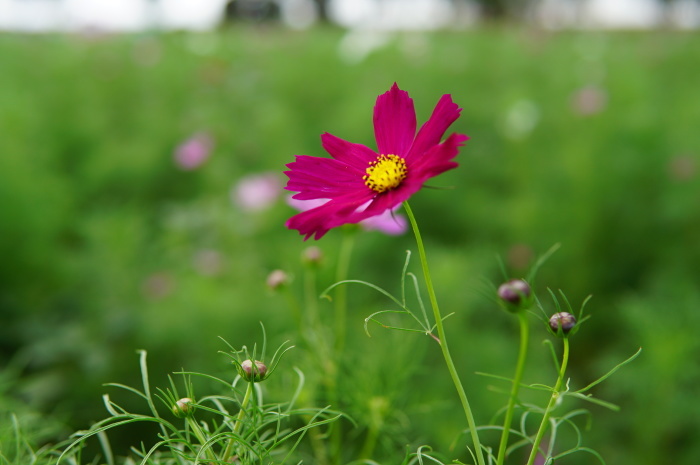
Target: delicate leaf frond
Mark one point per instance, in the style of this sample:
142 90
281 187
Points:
357 281
128 388
404 273
593 400
541 261
609 373
416 287
553 352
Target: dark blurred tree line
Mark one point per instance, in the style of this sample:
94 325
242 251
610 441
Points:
269 9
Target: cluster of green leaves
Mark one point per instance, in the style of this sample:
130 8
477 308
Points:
219 428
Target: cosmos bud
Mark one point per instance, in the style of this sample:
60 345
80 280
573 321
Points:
515 293
312 256
254 372
564 321
277 279
184 407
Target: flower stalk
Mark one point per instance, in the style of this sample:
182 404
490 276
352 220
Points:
199 434
517 379
341 274
442 339
551 405
238 425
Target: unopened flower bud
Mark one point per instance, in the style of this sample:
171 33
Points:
277 279
253 371
515 293
563 320
184 407
312 256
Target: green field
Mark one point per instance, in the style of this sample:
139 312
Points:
585 139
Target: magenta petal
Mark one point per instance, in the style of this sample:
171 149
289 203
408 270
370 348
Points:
430 134
304 205
318 177
308 223
381 203
394 122
438 159
356 155
336 212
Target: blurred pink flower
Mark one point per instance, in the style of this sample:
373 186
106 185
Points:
257 192
539 458
519 256
158 285
208 262
589 100
389 222
193 152
682 168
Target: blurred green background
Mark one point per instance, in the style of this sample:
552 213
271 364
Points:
107 245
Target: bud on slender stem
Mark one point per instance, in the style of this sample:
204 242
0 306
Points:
253 371
515 294
312 256
277 279
184 408
563 321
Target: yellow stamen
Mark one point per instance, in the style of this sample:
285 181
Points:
385 173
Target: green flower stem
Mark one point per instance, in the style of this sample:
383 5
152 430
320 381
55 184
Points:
442 338
341 305
316 338
340 298
371 439
311 298
239 420
552 404
519 368
295 307
197 430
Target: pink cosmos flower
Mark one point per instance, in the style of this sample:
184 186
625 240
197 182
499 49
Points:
389 222
257 192
194 151
589 100
158 285
360 183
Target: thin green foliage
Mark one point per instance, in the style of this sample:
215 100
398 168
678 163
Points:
556 424
210 429
426 327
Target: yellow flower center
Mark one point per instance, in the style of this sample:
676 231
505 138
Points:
385 173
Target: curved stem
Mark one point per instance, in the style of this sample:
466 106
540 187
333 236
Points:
443 340
239 420
311 298
552 403
194 426
341 274
341 306
295 307
519 368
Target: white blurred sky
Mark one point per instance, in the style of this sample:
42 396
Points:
135 15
